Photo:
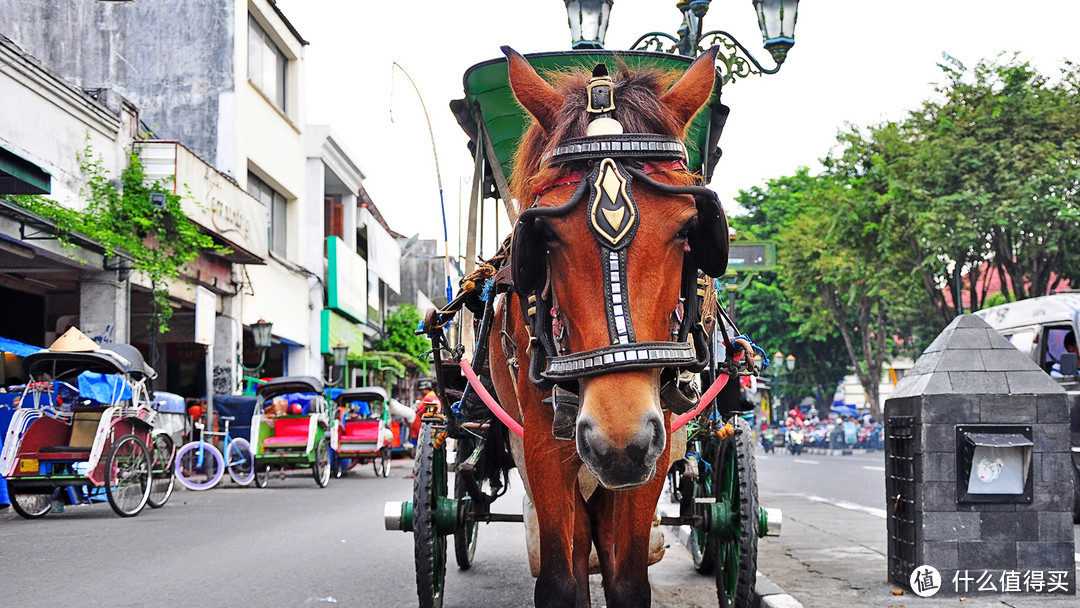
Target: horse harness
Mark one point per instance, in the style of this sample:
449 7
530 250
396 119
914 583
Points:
614 163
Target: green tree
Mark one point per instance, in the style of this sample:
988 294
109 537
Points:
400 335
764 310
985 177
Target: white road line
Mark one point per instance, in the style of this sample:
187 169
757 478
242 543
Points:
874 468
801 461
850 506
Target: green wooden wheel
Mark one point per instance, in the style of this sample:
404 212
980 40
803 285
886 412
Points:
429 486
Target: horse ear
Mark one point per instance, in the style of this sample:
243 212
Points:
686 96
532 91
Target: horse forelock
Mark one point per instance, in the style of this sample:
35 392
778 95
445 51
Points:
637 107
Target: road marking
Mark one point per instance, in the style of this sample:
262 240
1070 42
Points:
801 461
874 468
850 506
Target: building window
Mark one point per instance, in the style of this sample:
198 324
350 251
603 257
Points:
276 205
267 65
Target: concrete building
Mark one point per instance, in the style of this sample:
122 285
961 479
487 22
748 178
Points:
227 114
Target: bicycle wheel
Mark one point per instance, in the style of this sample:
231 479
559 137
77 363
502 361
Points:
429 485
161 467
320 467
127 476
32 506
199 466
736 550
262 475
239 461
382 462
465 535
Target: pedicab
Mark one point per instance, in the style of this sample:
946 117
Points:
290 428
368 428
84 431
555 313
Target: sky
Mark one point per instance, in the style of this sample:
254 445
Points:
854 62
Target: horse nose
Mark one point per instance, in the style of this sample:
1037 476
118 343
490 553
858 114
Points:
627 466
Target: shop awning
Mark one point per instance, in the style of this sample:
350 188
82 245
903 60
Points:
20 176
17 348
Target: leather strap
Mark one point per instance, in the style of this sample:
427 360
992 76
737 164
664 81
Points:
623 146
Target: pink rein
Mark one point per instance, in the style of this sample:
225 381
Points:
513 425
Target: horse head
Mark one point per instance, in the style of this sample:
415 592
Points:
607 249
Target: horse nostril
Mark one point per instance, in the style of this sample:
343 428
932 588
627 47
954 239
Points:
637 453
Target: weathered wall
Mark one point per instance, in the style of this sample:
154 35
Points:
174 69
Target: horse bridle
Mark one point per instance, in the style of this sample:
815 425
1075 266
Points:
614 163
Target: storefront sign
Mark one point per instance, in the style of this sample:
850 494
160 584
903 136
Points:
205 313
210 199
347 283
336 329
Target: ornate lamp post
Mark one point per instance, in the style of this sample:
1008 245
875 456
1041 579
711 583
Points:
782 367
776 19
341 359
261 331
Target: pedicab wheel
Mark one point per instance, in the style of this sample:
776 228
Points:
262 475
465 535
239 461
429 485
31 505
320 467
162 479
735 484
382 462
702 544
127 476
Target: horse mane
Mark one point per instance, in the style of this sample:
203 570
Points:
638 109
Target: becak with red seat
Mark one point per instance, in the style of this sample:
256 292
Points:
299 437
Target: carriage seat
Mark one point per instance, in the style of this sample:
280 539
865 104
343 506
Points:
84 425
289 432
360 435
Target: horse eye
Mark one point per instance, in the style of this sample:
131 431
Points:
684 232
549 235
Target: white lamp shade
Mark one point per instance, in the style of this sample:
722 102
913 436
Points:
588 22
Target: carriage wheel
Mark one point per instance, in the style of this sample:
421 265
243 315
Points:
32 506
320 467
127 476
465 535
382 462
162 479
735 485
262 475
702 543
429 485
239 461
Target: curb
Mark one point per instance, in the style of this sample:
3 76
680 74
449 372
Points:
768 594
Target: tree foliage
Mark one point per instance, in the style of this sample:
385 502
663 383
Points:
982 181
400 335
121 217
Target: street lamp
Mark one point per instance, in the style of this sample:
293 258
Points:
341 359
588 22
779 364
261 331
776 19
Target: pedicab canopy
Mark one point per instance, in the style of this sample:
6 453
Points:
290 384
489 100
105 359
362 393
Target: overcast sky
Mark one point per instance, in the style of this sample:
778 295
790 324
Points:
854 61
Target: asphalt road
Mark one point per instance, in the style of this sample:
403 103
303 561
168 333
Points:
289 545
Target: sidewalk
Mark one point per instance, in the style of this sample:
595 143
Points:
829 557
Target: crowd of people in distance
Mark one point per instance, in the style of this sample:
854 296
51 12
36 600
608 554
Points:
836 431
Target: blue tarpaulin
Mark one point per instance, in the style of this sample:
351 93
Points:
103 388
17 348
241 407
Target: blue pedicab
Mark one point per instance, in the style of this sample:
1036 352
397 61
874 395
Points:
85 431
291 428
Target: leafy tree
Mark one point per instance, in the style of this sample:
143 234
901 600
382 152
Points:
400 335
985 177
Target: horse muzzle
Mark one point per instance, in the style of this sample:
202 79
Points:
626 464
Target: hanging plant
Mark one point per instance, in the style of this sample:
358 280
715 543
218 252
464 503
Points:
121 216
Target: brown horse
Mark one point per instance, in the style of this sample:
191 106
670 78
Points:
609 238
